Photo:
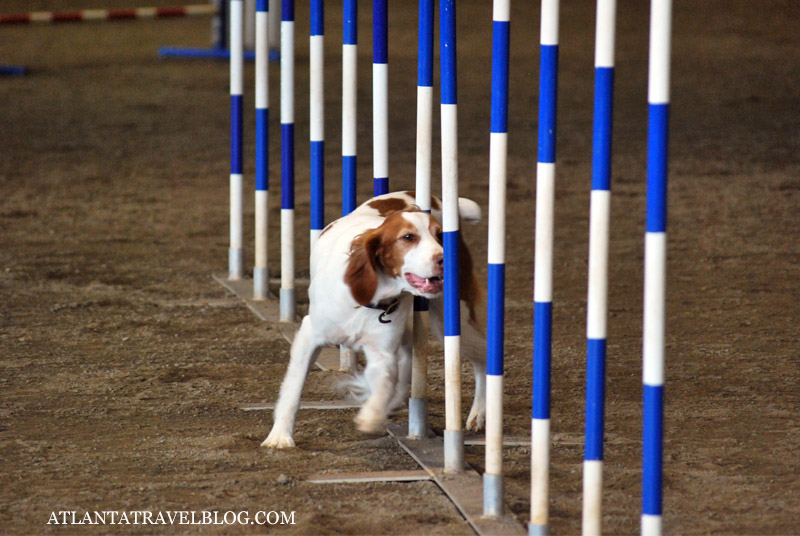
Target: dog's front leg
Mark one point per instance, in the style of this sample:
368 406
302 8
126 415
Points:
404 355
381 374
303 354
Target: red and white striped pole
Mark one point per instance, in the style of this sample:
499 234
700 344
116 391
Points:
88 15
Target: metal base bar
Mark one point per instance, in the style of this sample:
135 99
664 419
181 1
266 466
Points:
235 263
13 70
214 53
538 530
454 451
463 489
417 417
288 310
260 283
493 495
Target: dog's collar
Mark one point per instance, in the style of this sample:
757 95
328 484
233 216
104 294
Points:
387 308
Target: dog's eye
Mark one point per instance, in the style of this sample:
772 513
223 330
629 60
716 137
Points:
439 236
409 237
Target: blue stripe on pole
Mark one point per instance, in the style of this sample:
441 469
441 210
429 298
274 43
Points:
380 31
425 53
657 135
287 165
380 186
317 184
542 330
237 109
317 18
603 114
452 301
350 15
499 121
287 10
447 23
262 149
262 5
495 319
652 449
595 397
420 304
348 184
548 88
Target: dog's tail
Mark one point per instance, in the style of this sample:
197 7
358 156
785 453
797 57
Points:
357 386
469 210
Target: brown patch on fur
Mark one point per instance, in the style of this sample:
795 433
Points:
383 248
435 205
325 230
361 274
385 207
470 290
394 246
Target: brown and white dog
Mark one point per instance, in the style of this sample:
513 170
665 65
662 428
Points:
365 269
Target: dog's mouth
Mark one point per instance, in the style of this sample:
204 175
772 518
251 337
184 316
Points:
425 285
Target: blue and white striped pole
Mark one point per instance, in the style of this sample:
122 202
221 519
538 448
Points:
287 293
236 253
274 24
347 357
418 402
597 300
380 96
543 270
317 118
349 104
454 432
655 263
498 158
260 270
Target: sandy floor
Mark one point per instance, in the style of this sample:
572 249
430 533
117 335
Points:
124 365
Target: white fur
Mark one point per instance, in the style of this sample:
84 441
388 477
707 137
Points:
335 318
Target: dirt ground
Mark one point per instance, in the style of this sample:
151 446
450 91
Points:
124 365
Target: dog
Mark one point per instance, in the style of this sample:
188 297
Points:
365 269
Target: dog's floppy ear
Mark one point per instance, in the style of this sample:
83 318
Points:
362 268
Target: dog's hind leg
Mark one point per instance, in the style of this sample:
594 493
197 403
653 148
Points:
473 347
303 355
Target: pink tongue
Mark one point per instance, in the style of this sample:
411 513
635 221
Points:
424 285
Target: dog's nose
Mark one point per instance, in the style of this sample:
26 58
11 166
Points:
438 260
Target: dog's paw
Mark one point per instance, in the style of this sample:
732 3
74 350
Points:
476 421
370 422
278 441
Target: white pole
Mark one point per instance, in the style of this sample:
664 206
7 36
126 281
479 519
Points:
260 270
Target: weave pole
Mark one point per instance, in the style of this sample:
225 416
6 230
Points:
347 357
543 269
274 30
287 292
349 104
498 158
317 117
380 96
89 15
418 402
655 264
454 432
236 253
597 298
261 270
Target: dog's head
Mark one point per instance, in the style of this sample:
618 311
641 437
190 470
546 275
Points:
406 247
